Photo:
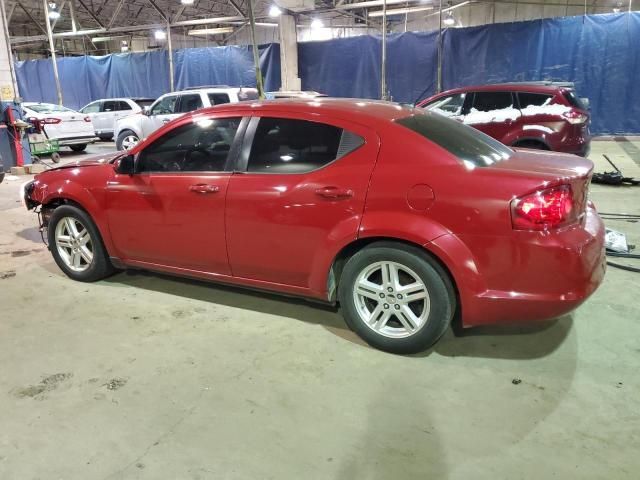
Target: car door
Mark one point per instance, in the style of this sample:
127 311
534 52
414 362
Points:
300 187
493 113
163 111
171 211
93 111
104 120
123 109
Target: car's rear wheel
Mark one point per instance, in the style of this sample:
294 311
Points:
532 144
127 139
76 245
79 148
396 297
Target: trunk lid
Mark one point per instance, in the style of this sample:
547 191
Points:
72 124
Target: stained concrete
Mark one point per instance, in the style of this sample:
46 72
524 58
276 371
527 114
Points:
143 376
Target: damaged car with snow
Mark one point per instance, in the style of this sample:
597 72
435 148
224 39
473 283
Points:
538 115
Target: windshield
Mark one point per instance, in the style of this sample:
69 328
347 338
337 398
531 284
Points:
473 147
573 100
145 102
47 108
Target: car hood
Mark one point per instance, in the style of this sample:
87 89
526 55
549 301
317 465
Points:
93 161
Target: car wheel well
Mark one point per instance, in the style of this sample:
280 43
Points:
335 272
531 143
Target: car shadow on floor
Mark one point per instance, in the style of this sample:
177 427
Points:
504 342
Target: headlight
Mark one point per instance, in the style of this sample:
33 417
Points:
23 193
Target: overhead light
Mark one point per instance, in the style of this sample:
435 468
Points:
274 11
266 24
210 31
107 39
449 20
399 11
53 13
370 3
160 35
187 2
316 23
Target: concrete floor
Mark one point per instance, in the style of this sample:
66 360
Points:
150 377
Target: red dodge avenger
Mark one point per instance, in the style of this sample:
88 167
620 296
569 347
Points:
403 217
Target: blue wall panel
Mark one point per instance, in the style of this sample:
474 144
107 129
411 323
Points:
597 52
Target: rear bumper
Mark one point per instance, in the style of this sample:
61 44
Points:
532 279
77 140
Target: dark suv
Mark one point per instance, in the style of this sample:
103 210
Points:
544 115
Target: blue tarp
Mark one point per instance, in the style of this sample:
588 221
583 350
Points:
597 52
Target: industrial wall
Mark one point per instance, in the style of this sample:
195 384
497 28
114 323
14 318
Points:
597 52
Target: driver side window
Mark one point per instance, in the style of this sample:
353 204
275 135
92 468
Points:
166 106
201 146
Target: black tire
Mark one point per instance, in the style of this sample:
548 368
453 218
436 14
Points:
78 148
100 266
55 157
532 144
438 286
122 135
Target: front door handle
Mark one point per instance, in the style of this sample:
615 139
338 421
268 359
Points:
334 193
165 120
204 188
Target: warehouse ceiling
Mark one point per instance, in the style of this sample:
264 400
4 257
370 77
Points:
26 18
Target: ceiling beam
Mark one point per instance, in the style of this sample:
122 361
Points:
116 12
91 14
159 10
36 22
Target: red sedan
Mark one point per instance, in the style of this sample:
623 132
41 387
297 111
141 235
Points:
401 216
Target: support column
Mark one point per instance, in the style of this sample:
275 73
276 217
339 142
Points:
289 53
170 49
52 47
8 84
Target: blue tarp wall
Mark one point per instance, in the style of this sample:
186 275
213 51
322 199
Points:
600 53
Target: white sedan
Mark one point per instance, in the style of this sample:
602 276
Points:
72 129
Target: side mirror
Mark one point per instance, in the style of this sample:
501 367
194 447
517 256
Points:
146 110
126 165
585 102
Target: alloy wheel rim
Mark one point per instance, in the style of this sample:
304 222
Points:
129 142
74 244
391 299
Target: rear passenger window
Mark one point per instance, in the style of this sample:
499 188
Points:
533 99
284 145
218 98
488 101
123 105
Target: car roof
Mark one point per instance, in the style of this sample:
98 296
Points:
511 87
348 108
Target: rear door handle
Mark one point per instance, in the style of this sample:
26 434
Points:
334 193
204 188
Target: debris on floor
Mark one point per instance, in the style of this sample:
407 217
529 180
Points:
516 381
8 274
116 383
613 178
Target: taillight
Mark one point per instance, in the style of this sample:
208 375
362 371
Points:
542 210
575 118
87 119
51 120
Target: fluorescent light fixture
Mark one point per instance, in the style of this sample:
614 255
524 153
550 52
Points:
210 31
371 3
107 39
316 23
160 34
266 24
449 20
54 15
187 2
274 11
399 11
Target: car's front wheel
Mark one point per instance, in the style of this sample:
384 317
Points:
76 245
396 297
126 140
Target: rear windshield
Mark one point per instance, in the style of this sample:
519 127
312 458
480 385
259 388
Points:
145 102
573 100
471 146
47 108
